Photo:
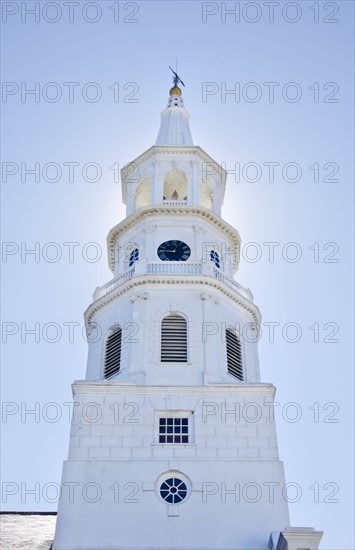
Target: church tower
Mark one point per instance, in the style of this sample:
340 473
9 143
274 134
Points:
173 443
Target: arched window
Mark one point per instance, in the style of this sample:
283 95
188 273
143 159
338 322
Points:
234 354
113 352
174 339
143 193
175 186
206 195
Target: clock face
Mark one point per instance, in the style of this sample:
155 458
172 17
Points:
174 251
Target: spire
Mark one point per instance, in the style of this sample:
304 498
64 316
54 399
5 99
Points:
174 125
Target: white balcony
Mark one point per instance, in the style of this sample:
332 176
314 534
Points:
204 269
114 283
174 268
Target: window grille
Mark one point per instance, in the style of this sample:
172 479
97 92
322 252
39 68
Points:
174 339
173 490
234 355
173 430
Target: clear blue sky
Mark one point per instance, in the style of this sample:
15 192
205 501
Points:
315 131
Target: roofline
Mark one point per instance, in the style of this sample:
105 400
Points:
143 281
8 513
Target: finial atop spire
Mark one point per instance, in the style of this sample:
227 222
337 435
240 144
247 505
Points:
175 90
174 126
176 80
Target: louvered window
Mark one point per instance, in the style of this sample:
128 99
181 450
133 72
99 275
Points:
234 355
174 339
113 352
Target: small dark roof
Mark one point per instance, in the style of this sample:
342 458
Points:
27 530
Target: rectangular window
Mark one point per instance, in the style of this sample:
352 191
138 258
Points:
173 430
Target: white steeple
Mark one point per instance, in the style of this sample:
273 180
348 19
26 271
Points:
174 127
173 445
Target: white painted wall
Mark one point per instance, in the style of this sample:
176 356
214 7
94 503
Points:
114 448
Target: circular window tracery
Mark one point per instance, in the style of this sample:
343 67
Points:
173 490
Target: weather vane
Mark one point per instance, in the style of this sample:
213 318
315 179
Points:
176 78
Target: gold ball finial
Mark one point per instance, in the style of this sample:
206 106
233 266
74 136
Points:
175 90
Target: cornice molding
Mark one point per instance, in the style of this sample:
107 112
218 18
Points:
161 210
172 149
229 390
156 150
143 280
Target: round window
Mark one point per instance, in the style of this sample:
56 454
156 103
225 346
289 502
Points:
173 490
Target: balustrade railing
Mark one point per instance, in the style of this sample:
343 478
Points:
246 292
174 203
172 268
114 283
